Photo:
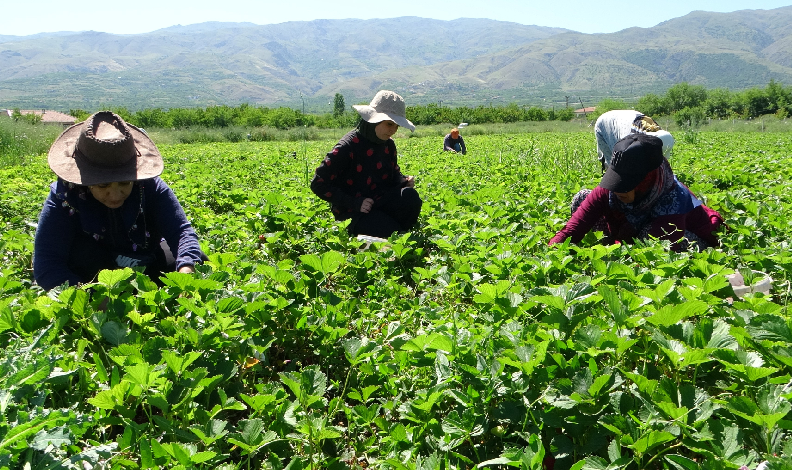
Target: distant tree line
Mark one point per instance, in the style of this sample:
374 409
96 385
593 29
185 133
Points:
687 104
435 114
690 105
218 117
285 118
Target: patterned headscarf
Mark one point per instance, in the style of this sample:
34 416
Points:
644 124
78 202
658 194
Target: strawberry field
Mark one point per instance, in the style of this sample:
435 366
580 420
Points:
466 343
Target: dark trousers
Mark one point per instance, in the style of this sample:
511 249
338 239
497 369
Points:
87 257
396 211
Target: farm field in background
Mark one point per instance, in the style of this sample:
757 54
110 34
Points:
468 342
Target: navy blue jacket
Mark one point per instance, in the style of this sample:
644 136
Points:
449 143
150 213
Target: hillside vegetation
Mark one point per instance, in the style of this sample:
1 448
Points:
459 62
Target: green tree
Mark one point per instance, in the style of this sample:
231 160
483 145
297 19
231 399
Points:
720 103
79 114
183 117
779 97
653 105
338 105
755 102
690 117
565 114
608 104
219 116
154 117
684 95
30 118
536 114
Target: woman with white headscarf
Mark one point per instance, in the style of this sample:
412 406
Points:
613 126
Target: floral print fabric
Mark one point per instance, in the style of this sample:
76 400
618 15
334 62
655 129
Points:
356 169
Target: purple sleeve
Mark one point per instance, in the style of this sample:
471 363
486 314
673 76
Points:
590 211
171 220
704 222
55 232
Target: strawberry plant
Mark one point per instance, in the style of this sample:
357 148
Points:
466 343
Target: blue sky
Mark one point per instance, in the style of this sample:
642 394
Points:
21 18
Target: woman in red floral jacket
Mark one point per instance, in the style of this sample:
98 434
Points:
361 177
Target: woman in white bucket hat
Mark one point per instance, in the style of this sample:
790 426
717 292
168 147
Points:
360 177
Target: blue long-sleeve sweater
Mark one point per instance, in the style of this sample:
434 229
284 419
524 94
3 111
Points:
449 143
149 214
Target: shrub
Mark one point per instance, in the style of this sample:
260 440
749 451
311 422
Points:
262 134
689 117
302 133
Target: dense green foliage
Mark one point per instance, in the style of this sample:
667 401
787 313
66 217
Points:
436 114
468 342
217 117
692 104
286 118
339 108
688 105
20 140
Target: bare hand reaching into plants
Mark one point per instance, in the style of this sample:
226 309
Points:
366 206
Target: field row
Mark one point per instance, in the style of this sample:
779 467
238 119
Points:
467 342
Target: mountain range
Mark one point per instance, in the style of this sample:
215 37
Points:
462 61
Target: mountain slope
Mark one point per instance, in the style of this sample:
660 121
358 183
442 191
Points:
233 62
461 61
735 50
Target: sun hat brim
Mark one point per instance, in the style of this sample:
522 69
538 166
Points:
67 163
369 114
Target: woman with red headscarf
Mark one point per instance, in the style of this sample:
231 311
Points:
639 198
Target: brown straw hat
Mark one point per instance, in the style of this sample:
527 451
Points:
386 105
104 149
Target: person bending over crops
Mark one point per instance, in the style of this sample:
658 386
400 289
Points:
108 208
615 125
361 178
454 142
638 198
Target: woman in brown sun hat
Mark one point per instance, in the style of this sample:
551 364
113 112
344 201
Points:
108 208
361 178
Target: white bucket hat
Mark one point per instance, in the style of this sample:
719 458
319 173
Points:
386 105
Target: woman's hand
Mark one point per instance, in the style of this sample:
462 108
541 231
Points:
365 207
408 182
187 269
